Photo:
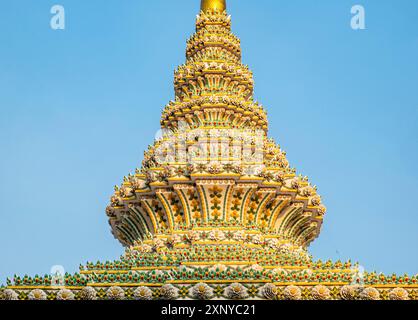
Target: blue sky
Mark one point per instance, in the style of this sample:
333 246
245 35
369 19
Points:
78 107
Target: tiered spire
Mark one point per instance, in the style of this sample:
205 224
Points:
214 167
213 88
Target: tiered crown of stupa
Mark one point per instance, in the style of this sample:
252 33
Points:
214 89
214 169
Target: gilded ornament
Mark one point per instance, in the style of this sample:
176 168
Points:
236 291
88 293
143 293
349 292
321 292
65 294
269 291
370 293
292 293
399 294
9 294
168 292
115 293
202 291
37 294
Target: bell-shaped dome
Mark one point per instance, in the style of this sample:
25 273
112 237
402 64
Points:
214 167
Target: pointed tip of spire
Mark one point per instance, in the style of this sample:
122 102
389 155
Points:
218 5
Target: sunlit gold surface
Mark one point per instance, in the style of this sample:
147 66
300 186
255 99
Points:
219 5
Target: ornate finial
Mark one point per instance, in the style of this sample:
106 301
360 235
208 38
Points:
219 5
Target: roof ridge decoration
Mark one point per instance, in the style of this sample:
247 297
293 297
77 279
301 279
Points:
215 211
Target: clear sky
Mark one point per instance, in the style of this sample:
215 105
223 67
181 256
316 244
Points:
78 107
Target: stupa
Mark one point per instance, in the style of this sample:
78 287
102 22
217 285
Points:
216 211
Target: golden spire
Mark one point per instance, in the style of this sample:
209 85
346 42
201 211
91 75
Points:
219 5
